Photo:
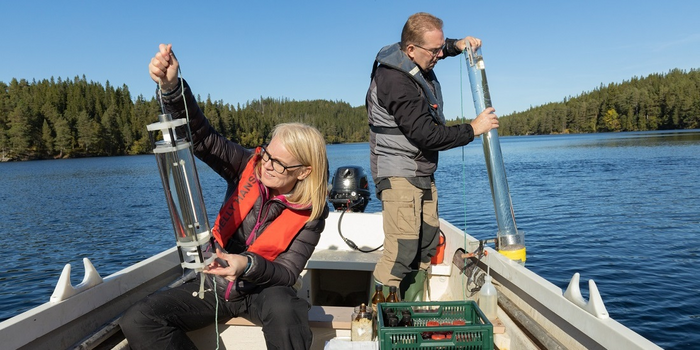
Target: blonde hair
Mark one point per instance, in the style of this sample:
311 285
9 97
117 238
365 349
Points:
416 26
307 145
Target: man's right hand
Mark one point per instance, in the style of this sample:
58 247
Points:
485 121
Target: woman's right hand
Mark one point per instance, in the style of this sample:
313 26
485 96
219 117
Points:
234 267
163 68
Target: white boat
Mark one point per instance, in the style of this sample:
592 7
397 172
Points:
532 314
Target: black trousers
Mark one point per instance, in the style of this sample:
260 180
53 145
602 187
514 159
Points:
161 320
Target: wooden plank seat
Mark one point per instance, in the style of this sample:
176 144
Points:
328 259
334 317
331 260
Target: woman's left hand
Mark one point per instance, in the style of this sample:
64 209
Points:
236 265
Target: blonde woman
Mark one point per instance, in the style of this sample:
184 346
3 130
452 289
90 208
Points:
266 230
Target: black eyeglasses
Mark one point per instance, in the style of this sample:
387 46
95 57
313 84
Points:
433 52
276 165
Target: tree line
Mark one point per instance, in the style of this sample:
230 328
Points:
55 118
58 118
658 102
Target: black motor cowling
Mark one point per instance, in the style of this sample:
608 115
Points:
349 189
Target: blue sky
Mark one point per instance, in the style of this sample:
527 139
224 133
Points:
302 50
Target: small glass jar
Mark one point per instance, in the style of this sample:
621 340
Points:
361 326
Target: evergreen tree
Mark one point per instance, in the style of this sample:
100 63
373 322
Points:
47 138
4 143
63 142
111 134
89 134
19 134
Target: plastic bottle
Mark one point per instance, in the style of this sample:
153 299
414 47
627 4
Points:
440 251
488 299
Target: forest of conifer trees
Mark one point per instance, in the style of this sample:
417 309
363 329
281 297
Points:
657 102
58 118
77 118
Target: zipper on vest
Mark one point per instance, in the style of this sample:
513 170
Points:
258 222
228 290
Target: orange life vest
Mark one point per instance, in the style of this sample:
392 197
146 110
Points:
277 236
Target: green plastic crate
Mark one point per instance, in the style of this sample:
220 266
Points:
475 334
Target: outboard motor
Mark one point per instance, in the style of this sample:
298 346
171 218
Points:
349 189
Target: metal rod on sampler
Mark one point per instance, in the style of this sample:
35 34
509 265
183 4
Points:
510 242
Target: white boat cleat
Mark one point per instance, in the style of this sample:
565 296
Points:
64 289
594 306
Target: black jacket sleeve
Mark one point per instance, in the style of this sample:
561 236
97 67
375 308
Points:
225 157
402 97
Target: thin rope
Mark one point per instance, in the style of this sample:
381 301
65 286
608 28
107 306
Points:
216 314
160 95
184 100
464 176
464 162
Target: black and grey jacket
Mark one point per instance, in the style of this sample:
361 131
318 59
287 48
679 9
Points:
229 159
407 126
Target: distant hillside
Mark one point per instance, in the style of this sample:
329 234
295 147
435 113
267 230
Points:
76 118
657 102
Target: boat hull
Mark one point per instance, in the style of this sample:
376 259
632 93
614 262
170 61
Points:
533 312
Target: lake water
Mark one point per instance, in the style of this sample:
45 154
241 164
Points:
622 209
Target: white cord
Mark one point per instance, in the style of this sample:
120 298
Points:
216 315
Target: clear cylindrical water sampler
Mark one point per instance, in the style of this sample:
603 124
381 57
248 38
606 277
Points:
182 192
510 241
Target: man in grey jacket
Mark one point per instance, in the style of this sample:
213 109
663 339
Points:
407 130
